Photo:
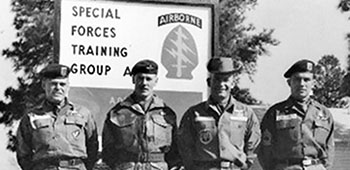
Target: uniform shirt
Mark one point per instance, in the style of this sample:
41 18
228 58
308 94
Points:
130 132
47 132
208 133
290 132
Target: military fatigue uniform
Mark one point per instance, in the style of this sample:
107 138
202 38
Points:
143 139
296 138
211 138
51 138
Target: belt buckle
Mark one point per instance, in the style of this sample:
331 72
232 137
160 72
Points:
64 163
307 162
225 164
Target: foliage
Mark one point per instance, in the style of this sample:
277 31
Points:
32 49
344 6
238 40
328 77
243 95
241 42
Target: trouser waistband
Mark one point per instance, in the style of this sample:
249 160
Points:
303 162
62 162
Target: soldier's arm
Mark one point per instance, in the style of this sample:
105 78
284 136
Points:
186 140
108 142
265 147
23 146
173 156
330 143
91 142
252 137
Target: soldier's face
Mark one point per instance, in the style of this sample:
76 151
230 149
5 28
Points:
301 85
221 85
144 84
56 89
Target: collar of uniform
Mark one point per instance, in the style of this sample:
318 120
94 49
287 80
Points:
316 104
131 102
47 106
232 103
292 103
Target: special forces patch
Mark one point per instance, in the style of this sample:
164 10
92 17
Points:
76 133
205 136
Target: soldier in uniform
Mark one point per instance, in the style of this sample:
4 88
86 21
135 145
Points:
297 132
139 132
57 134
220 133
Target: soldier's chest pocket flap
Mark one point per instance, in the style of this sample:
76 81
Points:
78 121
322 124
122 120
160 121
41 123
287 123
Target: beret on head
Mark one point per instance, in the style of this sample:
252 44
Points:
222 65
300 66
53 71
145 66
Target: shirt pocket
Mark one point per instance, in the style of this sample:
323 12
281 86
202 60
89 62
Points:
74 127
122 120
321 131
288 130
42 123
126 126
162 131
42 130
206 131
238 126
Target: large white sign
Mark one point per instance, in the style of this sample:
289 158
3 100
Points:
102 40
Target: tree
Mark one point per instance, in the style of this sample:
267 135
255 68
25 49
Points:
238 40
241 42
328 75
33 48
244 96
344 6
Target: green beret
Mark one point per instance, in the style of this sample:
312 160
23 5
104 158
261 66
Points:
222 65
145 66
53 71
300 66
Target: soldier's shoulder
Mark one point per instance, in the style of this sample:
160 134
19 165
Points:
118 106
197 106
321 107
241 105
81 109
318 105
37 110
279 105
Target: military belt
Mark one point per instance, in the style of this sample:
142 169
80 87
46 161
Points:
150 157
63 162
303 162
216 163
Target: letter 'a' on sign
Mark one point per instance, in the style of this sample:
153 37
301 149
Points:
179 54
